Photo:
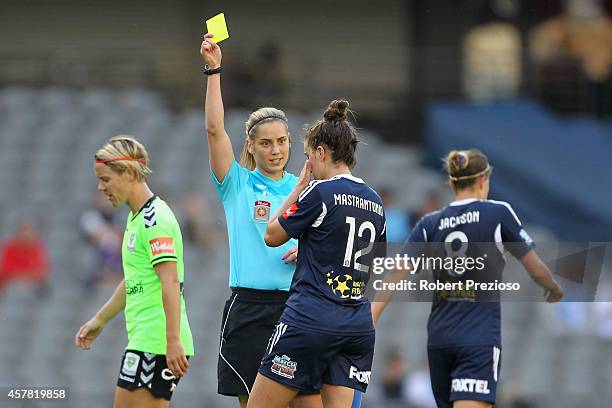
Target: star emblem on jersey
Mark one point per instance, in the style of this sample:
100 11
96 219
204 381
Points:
341 285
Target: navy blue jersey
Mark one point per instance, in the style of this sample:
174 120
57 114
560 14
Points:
476 229
340 225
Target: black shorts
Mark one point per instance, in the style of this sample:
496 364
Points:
249 318
146 370
305 359
464 373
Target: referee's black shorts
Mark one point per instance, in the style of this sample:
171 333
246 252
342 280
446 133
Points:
249 318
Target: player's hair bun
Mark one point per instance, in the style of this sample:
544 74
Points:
457 161
337 110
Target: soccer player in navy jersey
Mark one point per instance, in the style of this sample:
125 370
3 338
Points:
464 328
324 339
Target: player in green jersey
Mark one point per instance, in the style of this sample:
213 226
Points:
151 294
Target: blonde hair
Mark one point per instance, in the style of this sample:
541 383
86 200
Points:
123 152
465 166
261 115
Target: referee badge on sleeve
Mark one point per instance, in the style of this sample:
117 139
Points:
261 211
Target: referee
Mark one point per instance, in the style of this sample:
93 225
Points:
252 190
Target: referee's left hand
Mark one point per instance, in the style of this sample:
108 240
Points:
291 255
176 359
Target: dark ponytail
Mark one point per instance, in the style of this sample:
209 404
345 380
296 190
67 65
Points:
335 133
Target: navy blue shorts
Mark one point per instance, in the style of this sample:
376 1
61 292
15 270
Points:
305 360
464 373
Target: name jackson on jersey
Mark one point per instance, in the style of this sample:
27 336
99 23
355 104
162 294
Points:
466 218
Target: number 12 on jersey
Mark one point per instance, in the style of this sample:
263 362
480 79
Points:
348 253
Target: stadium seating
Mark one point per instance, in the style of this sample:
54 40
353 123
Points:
47 141
548 166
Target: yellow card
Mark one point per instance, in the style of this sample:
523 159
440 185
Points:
218 27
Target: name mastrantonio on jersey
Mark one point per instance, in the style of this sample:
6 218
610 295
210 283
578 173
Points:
358 202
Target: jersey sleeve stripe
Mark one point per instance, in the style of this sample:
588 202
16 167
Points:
164 258
308 189
509 207
321 217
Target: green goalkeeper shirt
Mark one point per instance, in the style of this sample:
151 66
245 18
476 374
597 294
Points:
152 236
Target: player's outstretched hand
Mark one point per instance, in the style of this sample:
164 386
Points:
291 255
210 51
554 296
176 359
88 332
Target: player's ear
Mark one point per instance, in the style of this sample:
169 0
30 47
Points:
452 186
483 182
321 152
249 143
130 174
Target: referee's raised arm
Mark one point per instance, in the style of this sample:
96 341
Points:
219 143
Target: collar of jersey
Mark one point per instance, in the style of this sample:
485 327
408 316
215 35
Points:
464 201
347 176
269 180
149 201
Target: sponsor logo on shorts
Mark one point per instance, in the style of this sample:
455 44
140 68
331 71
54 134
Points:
163 245
470 385
361 376
126 378
169 376
130 364
283 366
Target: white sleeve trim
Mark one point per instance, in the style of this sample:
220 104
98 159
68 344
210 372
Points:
308 189
509 207
498 239
319 220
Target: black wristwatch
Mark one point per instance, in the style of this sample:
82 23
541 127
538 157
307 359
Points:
211 71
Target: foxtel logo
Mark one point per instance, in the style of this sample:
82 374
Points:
361 376
163 245
470 385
